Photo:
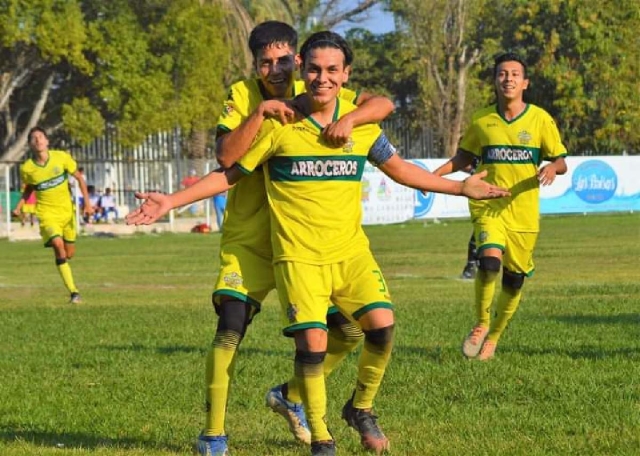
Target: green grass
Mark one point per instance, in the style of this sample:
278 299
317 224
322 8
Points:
123 373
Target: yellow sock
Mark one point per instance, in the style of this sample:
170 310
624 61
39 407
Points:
310 378
340 342
485 288
508 301
220 365
371 367
67 277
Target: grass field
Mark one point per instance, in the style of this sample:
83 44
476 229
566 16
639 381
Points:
123 373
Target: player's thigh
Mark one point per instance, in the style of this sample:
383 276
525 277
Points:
303 291
51 227
244 275
360 290
69 231
490 234
518 256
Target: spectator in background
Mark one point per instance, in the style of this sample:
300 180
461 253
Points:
187 182
108 206
94 204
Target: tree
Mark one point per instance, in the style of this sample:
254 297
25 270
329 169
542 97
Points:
439 30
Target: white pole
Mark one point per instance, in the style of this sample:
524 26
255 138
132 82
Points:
170 190
7 204
207 201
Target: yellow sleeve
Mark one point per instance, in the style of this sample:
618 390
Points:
470 141
235 108
551 144
69 163
348 95
260 151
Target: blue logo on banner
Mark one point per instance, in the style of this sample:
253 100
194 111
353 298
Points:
423 202
594 181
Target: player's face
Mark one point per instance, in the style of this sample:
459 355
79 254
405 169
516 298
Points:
324 73
511 81
38 141
275 66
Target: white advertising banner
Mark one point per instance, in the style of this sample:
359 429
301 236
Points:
592 184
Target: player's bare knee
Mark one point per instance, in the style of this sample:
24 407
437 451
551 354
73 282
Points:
512 280
380 340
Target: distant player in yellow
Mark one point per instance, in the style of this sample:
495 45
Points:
246 271
320 252
511 139
47 173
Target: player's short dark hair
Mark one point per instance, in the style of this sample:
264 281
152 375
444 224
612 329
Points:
34 129
271 32
509 56
326 39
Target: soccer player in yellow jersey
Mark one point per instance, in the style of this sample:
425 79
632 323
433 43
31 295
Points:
320 252
47 173
246 271
511 139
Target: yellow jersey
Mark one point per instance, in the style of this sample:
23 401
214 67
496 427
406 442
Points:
246 218
314 190
511 152
50 181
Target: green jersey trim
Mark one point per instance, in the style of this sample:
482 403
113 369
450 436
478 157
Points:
505 120
369 307
335 117
51 183
239 296
316 168
514 155
289 331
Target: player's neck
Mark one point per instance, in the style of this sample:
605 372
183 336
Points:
41 157
510 109
323 113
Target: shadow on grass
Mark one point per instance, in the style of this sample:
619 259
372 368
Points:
614 319
77 440
172 349
592 352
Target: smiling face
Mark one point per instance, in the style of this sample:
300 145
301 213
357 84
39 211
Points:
275 66
511 80
324 73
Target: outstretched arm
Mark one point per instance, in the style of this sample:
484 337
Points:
232 145
371 109
155 204
88 209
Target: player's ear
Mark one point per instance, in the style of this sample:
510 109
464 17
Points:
346 73
298 61
525 84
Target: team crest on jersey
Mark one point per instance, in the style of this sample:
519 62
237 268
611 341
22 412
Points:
524 137
233 280
292 312
348 147
57 170
227 111
483 236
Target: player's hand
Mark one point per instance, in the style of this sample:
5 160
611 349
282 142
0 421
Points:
547 174
154 206
337 133
16 212
278 109
475 187
88 210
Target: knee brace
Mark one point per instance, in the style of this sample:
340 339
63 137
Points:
234 317
60 261
512 279
489 264
309 364
343 329
379 339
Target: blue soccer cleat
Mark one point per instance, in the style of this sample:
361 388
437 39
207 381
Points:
290 411
215 445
